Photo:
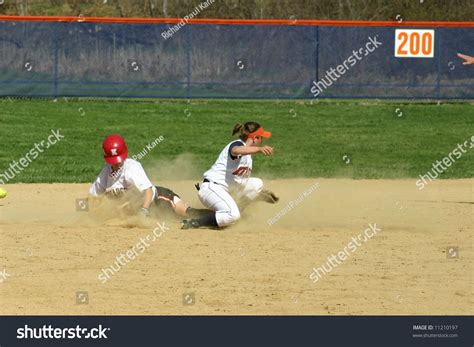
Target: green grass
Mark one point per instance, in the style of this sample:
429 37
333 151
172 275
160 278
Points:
310 140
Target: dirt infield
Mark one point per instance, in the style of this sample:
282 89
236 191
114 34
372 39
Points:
50 252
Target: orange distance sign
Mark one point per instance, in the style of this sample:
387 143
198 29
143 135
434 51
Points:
414 43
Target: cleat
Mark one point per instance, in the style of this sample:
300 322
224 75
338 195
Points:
189 224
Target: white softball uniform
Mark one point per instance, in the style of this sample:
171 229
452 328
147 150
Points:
131 174
229 175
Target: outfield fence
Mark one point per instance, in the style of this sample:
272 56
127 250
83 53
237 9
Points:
270 59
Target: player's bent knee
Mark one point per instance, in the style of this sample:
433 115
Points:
253 188
256 183
235 215
228 218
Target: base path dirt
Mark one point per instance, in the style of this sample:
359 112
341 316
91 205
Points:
419 263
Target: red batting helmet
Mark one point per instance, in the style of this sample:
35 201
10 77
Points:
115 149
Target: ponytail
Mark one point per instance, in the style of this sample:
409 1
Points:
237 128
245 130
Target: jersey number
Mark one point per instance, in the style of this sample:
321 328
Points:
241 171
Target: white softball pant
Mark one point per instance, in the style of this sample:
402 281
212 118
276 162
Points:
217 198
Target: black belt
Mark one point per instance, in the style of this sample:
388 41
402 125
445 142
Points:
207 181
198 186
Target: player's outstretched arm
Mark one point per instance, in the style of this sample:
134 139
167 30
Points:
468 60
244 150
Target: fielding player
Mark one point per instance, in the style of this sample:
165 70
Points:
230 175
121 173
